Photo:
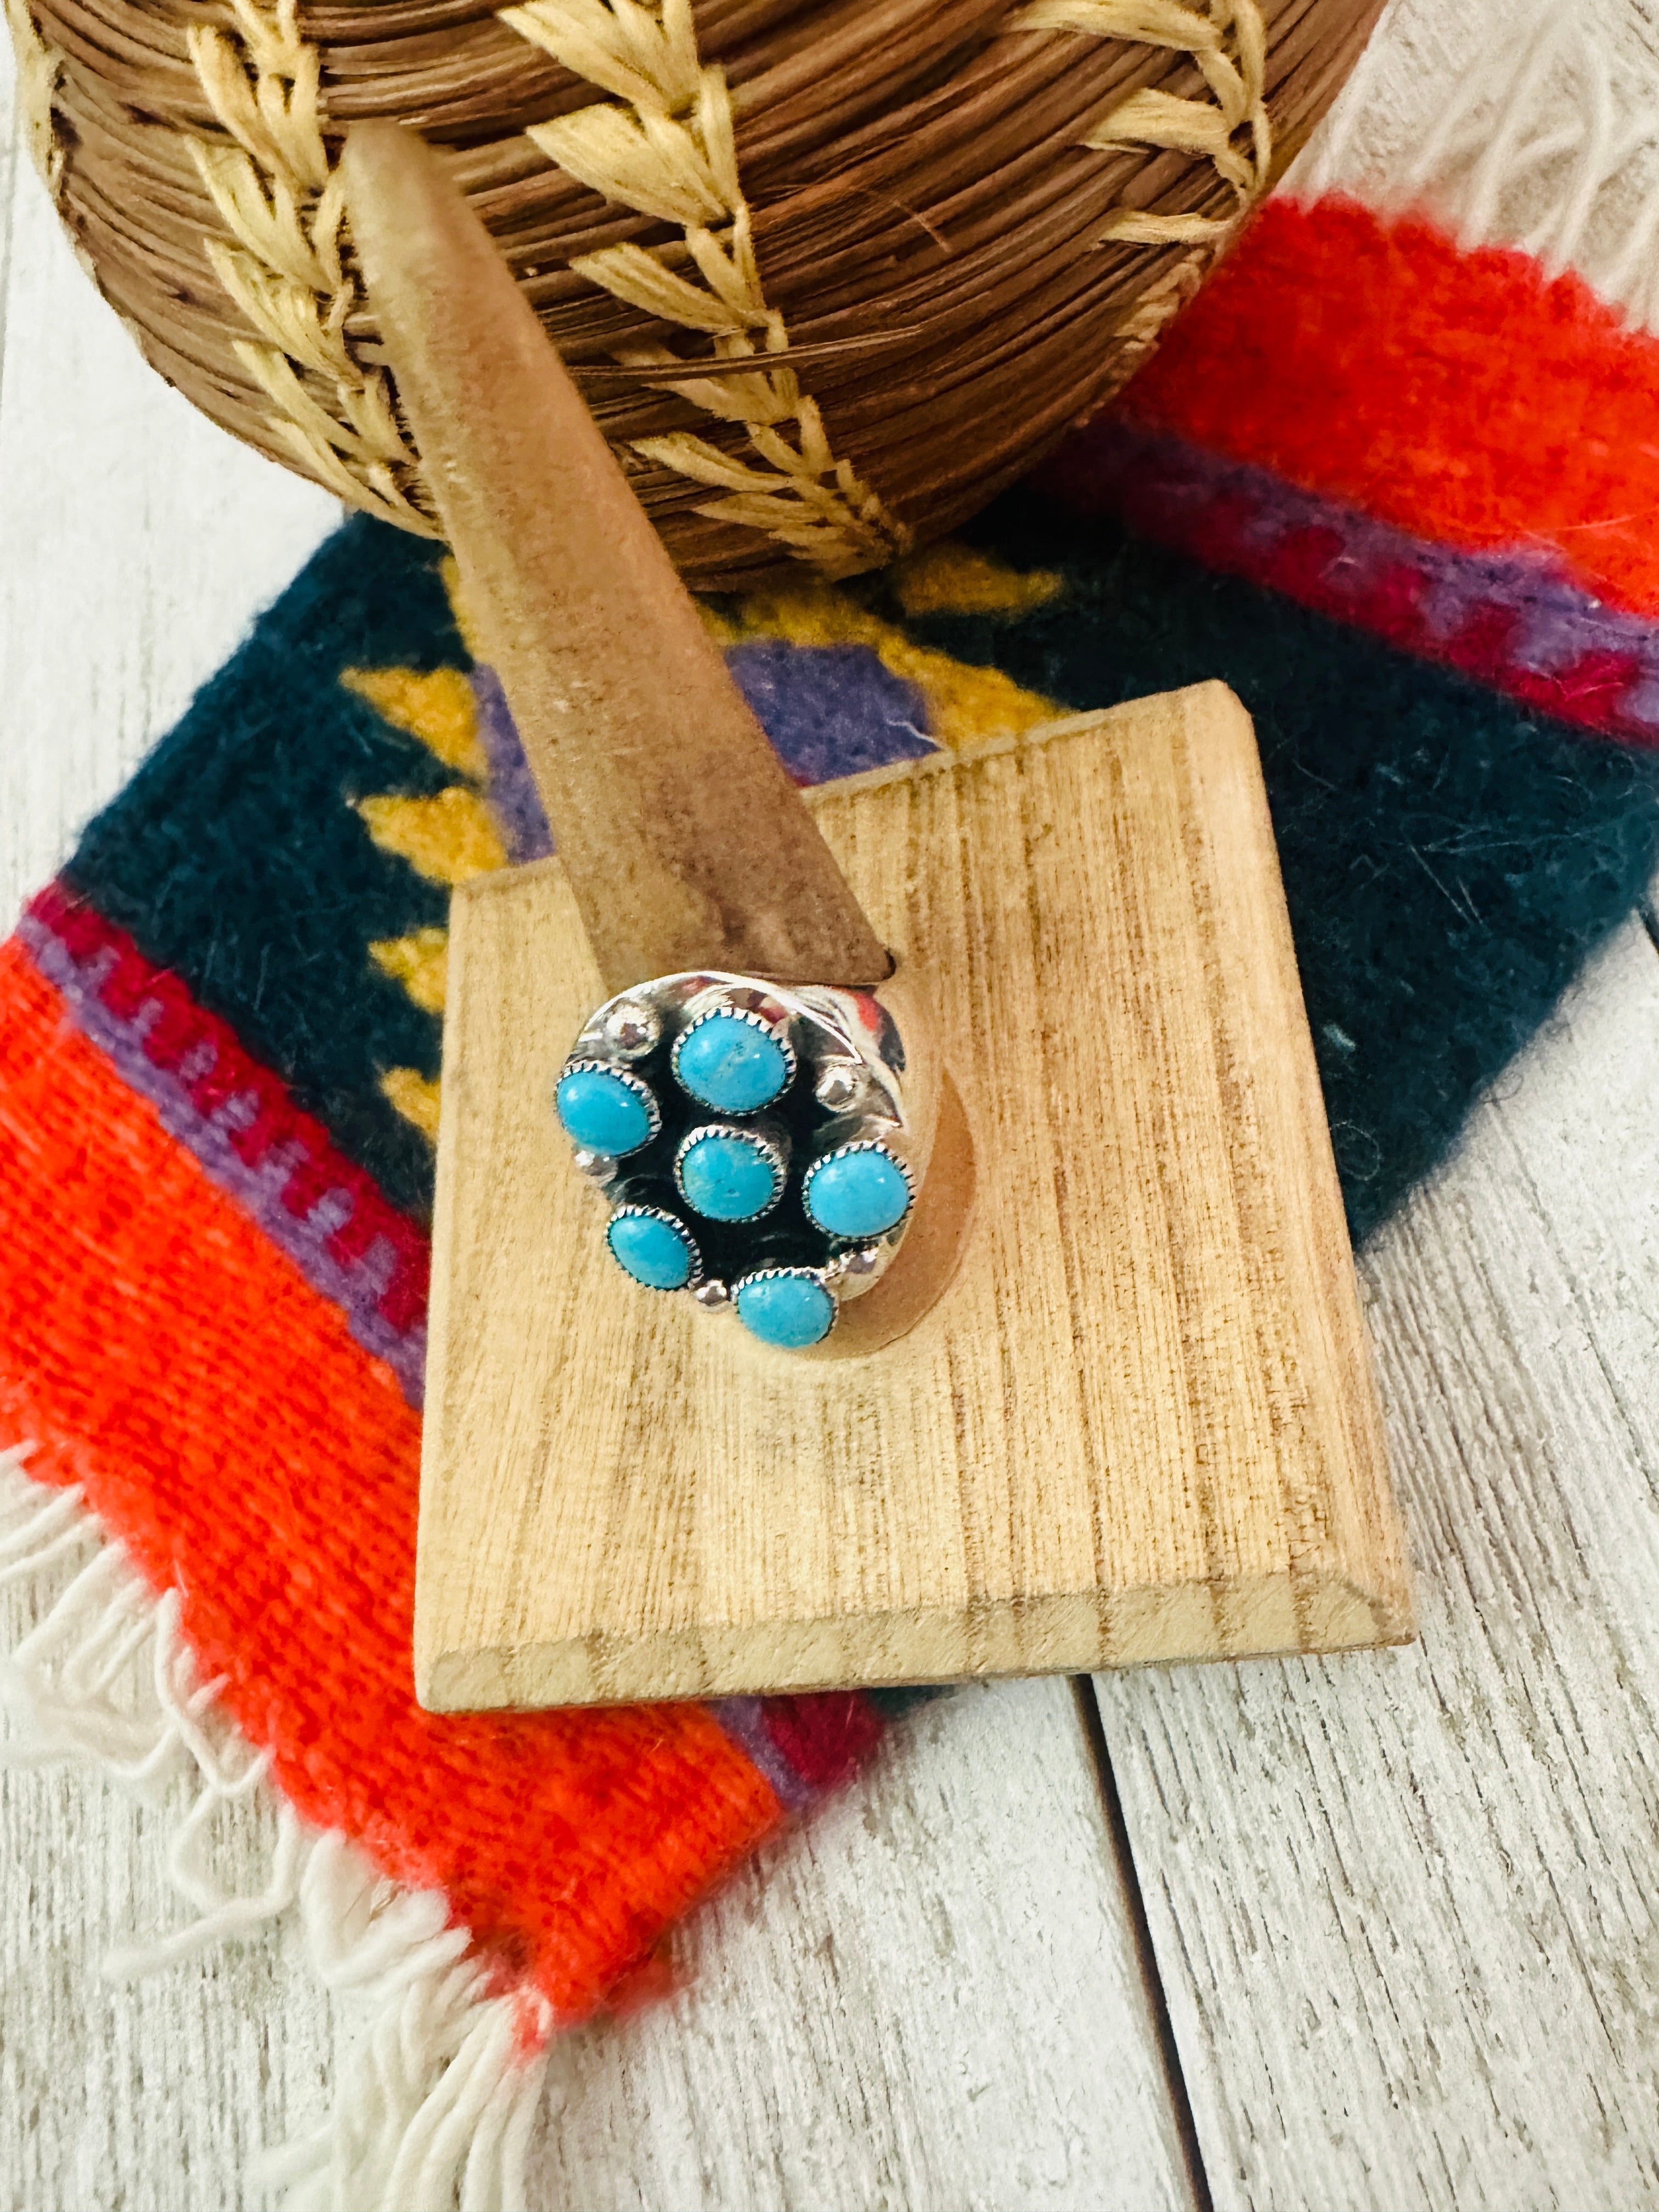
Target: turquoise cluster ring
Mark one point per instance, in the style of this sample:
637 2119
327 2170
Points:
760 1145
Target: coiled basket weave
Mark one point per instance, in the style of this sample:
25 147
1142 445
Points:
830 272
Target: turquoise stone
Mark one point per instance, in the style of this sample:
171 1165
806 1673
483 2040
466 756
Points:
726 1176
858 1193
731 1064
653 1250
789 1311
603 1112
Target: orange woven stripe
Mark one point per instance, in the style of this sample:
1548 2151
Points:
1458 395
244 1449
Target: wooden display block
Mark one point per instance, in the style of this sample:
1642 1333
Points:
1137 1426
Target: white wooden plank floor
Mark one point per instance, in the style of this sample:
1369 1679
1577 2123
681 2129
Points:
929 1999
1399 1946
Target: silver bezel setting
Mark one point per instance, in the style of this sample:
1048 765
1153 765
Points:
844 1151
855 1080
771 1272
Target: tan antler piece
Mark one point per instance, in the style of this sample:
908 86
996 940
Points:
685 843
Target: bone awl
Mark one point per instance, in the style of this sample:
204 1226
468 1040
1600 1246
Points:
684 842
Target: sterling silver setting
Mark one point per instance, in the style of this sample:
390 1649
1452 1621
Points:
880 1148
631 1028
862 1074
671 1222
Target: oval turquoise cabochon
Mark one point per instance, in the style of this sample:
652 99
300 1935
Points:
604 1111
731 1064
789 1310
653 1249
860 1193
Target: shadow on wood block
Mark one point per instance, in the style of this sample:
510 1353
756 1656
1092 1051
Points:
1139 1425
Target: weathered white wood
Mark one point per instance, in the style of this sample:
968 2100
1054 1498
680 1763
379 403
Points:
931 1997
925 2003
1545 158
137 542
1404 1904
161 2093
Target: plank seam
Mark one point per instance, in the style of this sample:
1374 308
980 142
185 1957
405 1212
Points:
1117 1828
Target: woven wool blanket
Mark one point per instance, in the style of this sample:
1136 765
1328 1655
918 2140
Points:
1418 550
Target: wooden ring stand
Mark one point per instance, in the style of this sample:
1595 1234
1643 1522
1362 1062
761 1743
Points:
1113 1404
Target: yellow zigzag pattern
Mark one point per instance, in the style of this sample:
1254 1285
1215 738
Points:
435 705
451 837
415 1097
420 963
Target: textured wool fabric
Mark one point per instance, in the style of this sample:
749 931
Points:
219 1032
236 859
185 1340
1460 396
1517 621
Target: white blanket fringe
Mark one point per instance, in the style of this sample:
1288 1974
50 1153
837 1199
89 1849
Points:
437 2101
1536 146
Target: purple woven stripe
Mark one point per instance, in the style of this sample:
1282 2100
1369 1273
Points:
1556 625
514 800
745 1722
357 1286
830 710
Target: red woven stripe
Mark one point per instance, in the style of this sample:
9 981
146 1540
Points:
161 1350
1458 395
826 1737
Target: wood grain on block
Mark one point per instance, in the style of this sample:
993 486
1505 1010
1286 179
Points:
686 844
1139 1422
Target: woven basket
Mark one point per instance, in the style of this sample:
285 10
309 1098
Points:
830 272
